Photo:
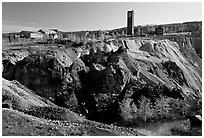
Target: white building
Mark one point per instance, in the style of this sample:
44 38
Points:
36 35
49 33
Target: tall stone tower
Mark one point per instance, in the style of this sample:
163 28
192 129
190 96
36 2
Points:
130 22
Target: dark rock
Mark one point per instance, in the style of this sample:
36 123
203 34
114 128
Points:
52 74
104 87
174 72
96 84
195 120
6 105
8 70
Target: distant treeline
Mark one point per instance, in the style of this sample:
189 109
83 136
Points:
194 27
141 30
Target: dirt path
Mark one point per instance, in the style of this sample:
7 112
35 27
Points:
162 129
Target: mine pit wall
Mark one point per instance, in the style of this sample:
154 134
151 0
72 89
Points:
190 86
84 91
183 57
197 44
192 43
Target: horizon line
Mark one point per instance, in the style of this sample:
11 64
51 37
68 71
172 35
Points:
149 24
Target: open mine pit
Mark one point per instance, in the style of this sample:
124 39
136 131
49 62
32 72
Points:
102 81
66 73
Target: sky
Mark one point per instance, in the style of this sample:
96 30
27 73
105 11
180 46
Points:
69 16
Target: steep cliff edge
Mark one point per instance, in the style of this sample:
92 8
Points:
93 80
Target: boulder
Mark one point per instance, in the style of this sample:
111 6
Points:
148 47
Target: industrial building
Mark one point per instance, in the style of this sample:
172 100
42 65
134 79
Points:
159 30
130 23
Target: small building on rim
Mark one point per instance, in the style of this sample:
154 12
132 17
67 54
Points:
25 34
159 30
36 35
49 33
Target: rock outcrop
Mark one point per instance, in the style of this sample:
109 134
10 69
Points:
22 99
30 115
51 74
95 78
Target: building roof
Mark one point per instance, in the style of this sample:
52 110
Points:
37 33
48 31
160 27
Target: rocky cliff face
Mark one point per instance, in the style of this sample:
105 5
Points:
93 80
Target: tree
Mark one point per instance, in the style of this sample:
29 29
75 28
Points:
102 36
105 37
145 110
93 37
126 110
138 30
162 108
73 38
69 36
113 35
122 33
77 39
84 39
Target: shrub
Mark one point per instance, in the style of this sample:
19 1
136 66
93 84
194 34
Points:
126 110
178 108
78 40
84 40
145 110
163 108
102 37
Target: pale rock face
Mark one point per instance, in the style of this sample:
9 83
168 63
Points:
15 55
199 117
165 50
